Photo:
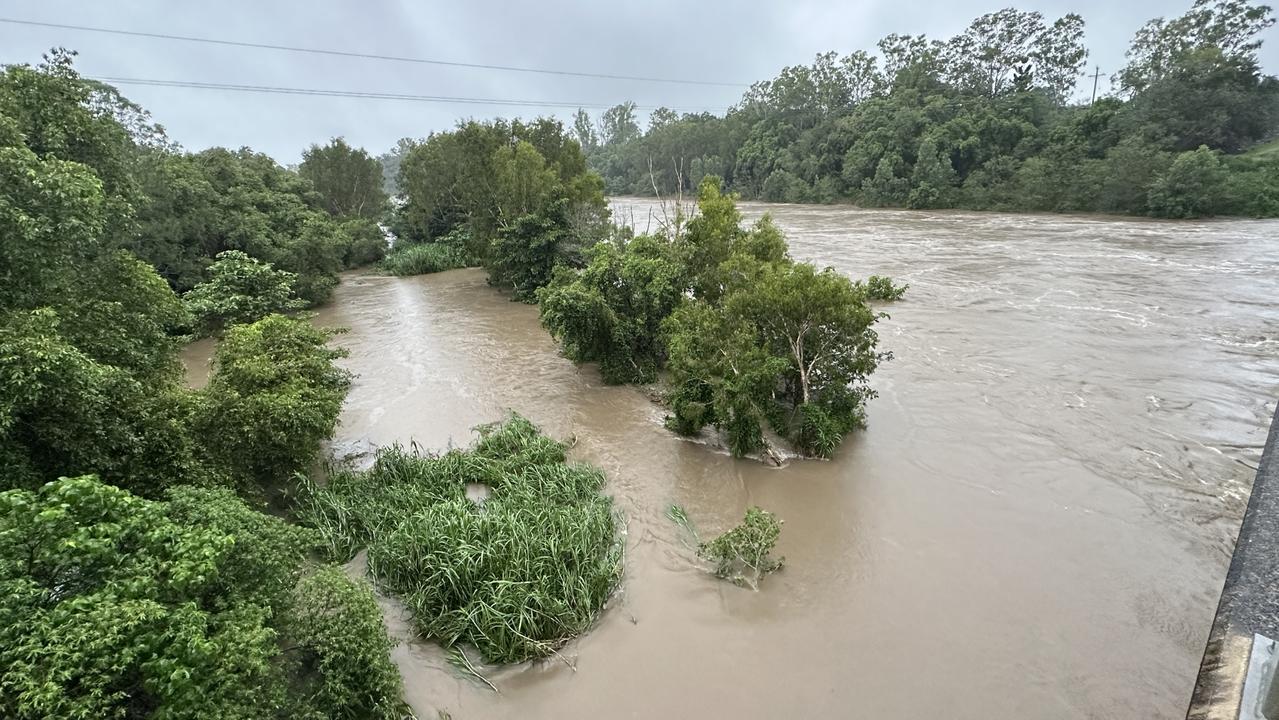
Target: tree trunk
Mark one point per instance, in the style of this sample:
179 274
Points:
797 347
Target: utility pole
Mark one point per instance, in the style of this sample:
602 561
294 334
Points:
1094 85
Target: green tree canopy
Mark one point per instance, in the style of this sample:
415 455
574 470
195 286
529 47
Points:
117 607
348 179
239 290
273 397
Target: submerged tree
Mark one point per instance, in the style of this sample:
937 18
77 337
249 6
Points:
743 554
797 350
273 397
611 311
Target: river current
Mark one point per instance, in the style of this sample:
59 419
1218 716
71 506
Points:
1036 523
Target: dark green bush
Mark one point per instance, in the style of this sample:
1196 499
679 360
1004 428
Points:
880 287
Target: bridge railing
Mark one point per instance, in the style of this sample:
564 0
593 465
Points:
1238 678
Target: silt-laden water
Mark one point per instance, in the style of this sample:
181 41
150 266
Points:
1036 524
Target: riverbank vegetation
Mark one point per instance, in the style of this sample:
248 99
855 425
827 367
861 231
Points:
518 197
454 250
987 119
136 578
515 572
195 605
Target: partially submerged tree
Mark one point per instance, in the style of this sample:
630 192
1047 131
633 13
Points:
611 311
273 397
743 554
796 348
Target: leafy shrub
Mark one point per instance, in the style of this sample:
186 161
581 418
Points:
113 606
524 254
365 242
336 625
818 432
1194 186
742 555
240 290
273 396
880 287
611 311
517 576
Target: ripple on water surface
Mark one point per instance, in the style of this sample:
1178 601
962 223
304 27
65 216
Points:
1036 524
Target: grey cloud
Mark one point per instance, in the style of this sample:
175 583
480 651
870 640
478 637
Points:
732 42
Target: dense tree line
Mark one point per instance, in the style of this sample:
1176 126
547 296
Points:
513 196
136 577
984 120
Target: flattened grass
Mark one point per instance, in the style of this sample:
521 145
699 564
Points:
516 576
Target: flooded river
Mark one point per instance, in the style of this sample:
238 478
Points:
1036 524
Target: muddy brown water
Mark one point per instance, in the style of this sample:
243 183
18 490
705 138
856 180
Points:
1036 524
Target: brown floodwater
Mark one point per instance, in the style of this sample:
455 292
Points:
1036 524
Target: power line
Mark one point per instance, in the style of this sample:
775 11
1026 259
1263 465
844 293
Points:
267 89
393 58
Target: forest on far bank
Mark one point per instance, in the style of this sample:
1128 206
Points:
988 119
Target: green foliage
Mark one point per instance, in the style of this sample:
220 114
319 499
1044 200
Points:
743 554
1159 47
524 255
517 575
423 258
521 190
980 120
62 412
273 397
348 179
117 607
60 116
611 311
787 334
1193 187
720 375
364 242
239 290
203 204
1253 185
335 625
88 367
881 287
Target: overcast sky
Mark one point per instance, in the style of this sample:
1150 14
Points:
737 42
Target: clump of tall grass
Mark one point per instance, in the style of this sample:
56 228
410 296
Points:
424 258
516 576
